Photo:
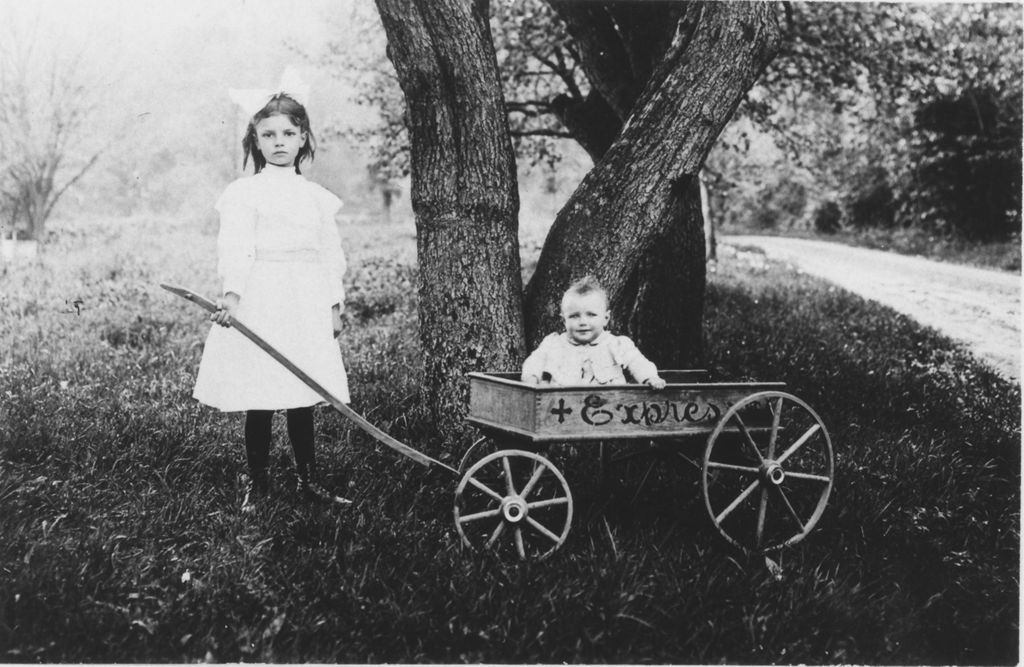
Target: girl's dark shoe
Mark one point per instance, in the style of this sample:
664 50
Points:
317 493
257 488
311 489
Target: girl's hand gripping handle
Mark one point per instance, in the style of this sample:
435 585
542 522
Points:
336 319
226 307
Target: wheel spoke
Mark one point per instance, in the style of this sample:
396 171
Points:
542 529
486 489
789 506
729 466
736 503
749 438
538 471
807 475
547 503
776 417
761 512
519 543
495 534
487 514
510 486
799 443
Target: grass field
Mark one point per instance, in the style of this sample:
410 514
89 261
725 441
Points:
121 538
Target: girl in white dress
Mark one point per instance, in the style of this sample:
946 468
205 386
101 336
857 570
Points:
280 262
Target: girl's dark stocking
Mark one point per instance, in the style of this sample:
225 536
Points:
257 454
257 439
300 432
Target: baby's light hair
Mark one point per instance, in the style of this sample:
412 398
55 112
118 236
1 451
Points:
584 286
279 105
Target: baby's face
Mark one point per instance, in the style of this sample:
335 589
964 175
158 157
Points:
585 316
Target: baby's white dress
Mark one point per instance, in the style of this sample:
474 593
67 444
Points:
279 249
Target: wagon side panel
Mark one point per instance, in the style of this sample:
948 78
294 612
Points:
498 404
636 412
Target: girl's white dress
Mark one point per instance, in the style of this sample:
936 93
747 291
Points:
279 249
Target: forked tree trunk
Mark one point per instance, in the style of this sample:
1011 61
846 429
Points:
464 196
635 220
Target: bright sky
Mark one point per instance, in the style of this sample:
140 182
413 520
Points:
165 57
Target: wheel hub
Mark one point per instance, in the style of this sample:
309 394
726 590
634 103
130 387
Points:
514 509
773 473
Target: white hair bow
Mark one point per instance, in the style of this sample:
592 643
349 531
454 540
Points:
253 99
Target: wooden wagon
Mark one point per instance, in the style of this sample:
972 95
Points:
764 456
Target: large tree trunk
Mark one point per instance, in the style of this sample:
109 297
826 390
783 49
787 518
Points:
635 220
464 195
662 302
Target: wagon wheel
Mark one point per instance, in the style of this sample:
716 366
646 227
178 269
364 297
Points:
480 448
515 503
767 471
488 444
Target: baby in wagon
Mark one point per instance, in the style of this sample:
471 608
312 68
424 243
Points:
585 353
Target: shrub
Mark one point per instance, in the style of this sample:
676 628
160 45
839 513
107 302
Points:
870 202
826 217
781 201
966 178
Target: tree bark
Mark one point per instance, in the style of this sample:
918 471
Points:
464 196
662 304
637 212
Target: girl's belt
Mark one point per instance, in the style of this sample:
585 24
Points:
298 255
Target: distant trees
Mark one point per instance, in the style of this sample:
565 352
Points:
846 129
45 105
883 115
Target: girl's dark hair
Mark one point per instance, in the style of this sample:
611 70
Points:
279 105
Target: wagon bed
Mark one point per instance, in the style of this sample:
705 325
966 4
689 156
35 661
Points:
500 404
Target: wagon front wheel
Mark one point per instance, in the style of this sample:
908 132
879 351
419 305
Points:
514 503
767 472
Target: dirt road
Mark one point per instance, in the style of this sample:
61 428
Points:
978 307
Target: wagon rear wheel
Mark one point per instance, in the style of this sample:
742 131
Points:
767 473
514 503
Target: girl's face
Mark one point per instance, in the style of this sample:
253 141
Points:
585 316
279 140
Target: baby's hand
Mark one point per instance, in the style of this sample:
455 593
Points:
657 382
226 307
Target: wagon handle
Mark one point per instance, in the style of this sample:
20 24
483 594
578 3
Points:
374 432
